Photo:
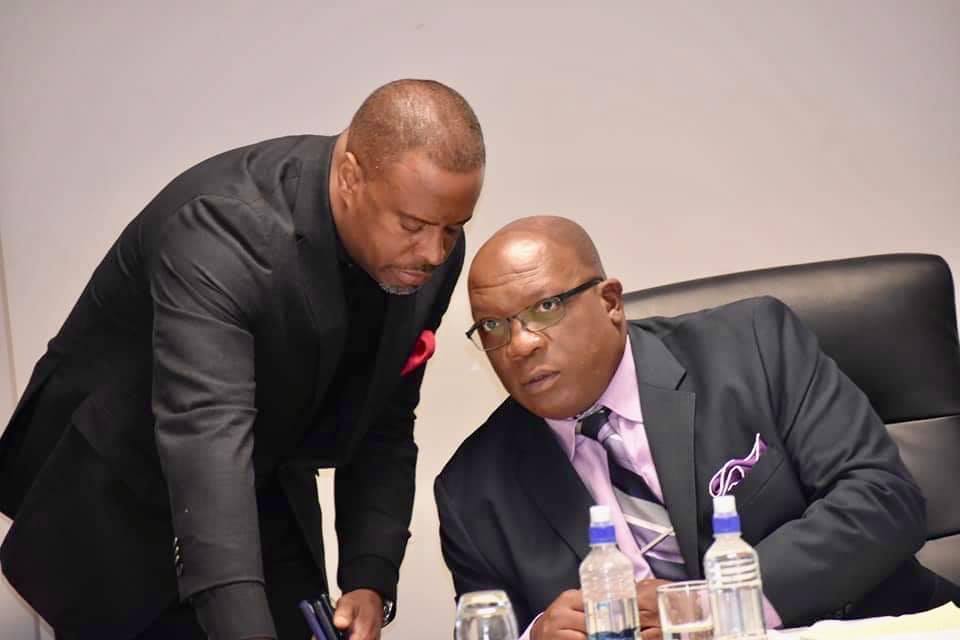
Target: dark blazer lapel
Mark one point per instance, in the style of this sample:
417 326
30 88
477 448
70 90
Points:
395 344
668 417
316 240
319 287
548 477
404 317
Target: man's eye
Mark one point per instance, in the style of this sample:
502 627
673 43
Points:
452 231
490 325
548 305
412 227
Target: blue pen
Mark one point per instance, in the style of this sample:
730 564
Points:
311 615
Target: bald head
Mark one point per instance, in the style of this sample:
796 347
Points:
417 115
523 243
550 321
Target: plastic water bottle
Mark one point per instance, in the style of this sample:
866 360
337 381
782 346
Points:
733 573
606 581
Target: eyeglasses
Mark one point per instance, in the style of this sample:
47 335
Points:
488 334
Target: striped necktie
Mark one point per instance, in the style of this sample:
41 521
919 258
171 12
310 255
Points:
642 509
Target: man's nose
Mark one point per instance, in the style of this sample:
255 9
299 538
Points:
523 342
434 246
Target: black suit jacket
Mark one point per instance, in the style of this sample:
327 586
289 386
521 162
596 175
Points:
195 363
830 508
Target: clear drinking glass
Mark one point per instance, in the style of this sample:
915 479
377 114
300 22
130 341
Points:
685 610
485 615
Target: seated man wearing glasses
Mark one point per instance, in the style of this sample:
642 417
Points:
652 418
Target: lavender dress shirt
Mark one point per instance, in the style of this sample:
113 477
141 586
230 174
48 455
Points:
589 458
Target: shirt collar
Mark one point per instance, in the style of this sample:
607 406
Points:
622 397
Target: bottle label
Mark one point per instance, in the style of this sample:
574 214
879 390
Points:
612 619
626 634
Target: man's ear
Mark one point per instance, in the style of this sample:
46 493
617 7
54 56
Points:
349 176
612 293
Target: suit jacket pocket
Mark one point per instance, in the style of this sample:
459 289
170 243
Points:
757 477
18 471
768 496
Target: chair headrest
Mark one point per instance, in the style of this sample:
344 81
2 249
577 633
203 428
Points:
888 320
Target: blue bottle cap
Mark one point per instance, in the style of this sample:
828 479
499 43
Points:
725 518
726 524
601 526
602 534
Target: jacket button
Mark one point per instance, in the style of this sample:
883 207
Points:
177 556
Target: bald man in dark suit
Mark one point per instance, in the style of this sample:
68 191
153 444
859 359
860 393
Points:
827 502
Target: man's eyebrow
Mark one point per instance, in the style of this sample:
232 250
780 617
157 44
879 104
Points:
540 297
434 224
460 223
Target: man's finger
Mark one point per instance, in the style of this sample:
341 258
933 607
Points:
649 619
572 598
363 627
344 615
647 593
570 620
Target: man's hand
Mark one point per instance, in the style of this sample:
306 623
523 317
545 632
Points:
647 605
563 620
361 613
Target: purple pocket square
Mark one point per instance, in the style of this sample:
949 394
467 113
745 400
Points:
734 471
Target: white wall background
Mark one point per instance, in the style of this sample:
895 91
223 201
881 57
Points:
16 619
690 138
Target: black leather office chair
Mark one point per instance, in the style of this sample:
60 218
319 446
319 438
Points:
890 323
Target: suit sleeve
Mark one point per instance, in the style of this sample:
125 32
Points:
470 571
374 492
207 272
865 513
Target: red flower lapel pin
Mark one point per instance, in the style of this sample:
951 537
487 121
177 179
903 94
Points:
423 349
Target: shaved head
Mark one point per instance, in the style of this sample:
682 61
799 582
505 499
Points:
415 115
535 234
553 321
404 178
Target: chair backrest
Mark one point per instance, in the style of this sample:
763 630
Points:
889 321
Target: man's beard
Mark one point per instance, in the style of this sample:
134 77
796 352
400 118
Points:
406 290
396 290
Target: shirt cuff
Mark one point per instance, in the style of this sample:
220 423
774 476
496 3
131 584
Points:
770 615
236 611
529 629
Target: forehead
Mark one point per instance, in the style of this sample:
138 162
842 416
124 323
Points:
415 185
510 280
